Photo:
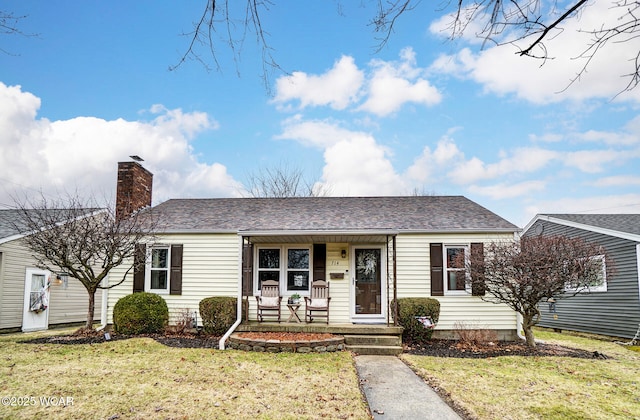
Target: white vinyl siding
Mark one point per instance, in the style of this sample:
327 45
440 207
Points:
210 267
68 305
414 280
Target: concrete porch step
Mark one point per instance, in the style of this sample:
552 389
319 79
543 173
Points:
370 350
381 345
373 340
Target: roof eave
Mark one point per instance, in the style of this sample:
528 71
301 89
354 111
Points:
583 226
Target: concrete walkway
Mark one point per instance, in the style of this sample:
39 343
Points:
395 392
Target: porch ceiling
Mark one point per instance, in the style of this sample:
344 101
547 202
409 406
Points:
318 237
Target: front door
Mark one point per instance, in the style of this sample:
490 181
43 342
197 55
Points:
36 300
368 290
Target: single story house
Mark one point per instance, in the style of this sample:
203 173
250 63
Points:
371 250
612 307
31 298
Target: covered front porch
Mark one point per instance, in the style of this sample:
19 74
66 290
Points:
360 268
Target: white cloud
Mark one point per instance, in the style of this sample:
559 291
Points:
428 163
502 71
338 87
82 153
390 85
393 84
594 161
618 181
520 161
360 167
321 134
504 190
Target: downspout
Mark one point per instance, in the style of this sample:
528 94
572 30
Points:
519 326
105 305
226 336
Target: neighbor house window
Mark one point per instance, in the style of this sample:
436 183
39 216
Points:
455 257
598 284
290 266
159 270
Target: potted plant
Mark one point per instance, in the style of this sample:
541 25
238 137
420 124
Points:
294 299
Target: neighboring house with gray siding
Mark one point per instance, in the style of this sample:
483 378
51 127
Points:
31 298
612 308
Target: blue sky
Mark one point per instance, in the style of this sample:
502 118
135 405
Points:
423 114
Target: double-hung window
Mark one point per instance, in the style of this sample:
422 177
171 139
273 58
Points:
598 274
298 269
159 269
290 266
268 265
455 259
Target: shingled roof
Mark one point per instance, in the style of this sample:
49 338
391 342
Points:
12 223
625 223
413 213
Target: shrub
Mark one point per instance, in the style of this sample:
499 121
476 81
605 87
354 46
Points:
471 334
408 311
140 313
219 313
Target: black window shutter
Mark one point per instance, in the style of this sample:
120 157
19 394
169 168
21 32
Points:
175 287
139 268
477 273
247 270
437 279
319 262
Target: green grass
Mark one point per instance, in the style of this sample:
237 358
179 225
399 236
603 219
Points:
515 387
140 378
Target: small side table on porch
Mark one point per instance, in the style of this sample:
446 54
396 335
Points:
293 312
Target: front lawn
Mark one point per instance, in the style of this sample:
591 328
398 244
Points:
141 378
533 387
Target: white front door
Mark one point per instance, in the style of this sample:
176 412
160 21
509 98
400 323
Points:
368 289
36 300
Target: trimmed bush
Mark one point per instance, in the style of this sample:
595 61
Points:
140 313
408 311
219 313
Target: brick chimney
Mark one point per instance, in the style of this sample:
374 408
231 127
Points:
133 191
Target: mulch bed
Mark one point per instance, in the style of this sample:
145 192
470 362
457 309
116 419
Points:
454 348
436 348
181 341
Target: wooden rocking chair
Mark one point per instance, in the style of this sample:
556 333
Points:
318 302
269 299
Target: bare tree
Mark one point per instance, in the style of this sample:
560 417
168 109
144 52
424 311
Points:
517 22
9 25
521 274
77 237
282 181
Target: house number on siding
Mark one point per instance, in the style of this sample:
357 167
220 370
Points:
335 262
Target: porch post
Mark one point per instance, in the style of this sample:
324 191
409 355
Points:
395 284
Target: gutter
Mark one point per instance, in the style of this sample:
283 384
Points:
518 326
105 305
226 335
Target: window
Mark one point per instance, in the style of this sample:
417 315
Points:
298 269
290 266
455 257
268 265
159 270
599 283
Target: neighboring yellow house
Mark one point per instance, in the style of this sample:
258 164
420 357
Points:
370 250
33 299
